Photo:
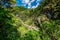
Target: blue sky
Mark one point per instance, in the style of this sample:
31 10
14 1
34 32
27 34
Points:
28 3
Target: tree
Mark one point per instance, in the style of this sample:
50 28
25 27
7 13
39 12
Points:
50 8
7 30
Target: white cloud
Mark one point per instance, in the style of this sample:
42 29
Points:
29 5
38 0
35 6
28 2
32 1
25 1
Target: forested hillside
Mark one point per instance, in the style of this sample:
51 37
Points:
40 23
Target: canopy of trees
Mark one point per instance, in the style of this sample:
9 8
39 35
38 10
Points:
19 23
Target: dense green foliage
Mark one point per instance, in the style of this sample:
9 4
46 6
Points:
41 23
